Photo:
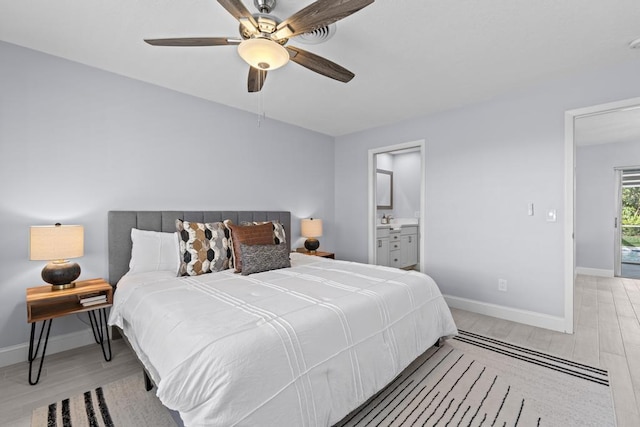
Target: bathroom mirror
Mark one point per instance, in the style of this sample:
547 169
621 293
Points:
384 189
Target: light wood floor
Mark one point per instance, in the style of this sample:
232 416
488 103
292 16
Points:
64 375
607 335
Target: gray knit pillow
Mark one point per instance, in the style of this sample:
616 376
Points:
257 258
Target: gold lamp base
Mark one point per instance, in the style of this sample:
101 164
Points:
65 286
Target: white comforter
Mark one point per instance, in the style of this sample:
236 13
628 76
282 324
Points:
300 346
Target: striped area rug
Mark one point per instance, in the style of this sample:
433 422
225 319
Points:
123 403
473 380
470 380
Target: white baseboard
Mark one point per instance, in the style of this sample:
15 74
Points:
18 353
594 272
526 317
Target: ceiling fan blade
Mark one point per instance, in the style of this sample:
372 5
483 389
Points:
319 64
320 14
256 79
237 9
194 41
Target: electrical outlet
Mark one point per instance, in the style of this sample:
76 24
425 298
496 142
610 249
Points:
416 214
502 285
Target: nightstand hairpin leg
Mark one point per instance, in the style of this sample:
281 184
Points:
100 330
34 354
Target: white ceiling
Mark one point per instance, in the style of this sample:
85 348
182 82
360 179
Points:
410 57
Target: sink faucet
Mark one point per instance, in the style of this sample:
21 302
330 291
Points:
389 218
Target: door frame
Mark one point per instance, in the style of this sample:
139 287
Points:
617 239
371 204
570 194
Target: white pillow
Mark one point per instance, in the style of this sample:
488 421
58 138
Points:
154 251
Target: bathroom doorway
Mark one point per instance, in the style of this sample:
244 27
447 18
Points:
401 172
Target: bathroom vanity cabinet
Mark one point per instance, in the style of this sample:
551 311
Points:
382 247
397 247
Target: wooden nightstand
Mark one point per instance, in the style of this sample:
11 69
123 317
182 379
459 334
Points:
44 305
318 253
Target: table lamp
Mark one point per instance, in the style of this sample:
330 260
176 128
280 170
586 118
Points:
311 229
56 244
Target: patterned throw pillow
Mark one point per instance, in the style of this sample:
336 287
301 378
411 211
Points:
279 235
204 247
258 258
249 235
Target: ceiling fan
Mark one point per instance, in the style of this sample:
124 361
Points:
263 37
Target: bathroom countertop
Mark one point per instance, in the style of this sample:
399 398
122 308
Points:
394 226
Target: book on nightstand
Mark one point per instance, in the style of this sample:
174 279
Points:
92 299
94 302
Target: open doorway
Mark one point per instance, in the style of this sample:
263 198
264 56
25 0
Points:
598 140
628 223
401 168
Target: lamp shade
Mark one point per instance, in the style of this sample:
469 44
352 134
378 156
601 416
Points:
56 242
311 227
263 54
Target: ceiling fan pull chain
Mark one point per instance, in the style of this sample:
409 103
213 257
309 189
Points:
261 113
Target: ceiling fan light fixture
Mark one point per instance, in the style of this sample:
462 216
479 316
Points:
263 54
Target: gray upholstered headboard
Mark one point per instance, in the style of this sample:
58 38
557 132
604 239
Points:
121 223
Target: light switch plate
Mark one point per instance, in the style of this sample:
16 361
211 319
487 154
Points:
551 215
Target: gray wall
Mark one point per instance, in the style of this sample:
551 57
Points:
485 163
76 142
596 200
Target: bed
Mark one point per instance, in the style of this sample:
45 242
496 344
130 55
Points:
299 346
